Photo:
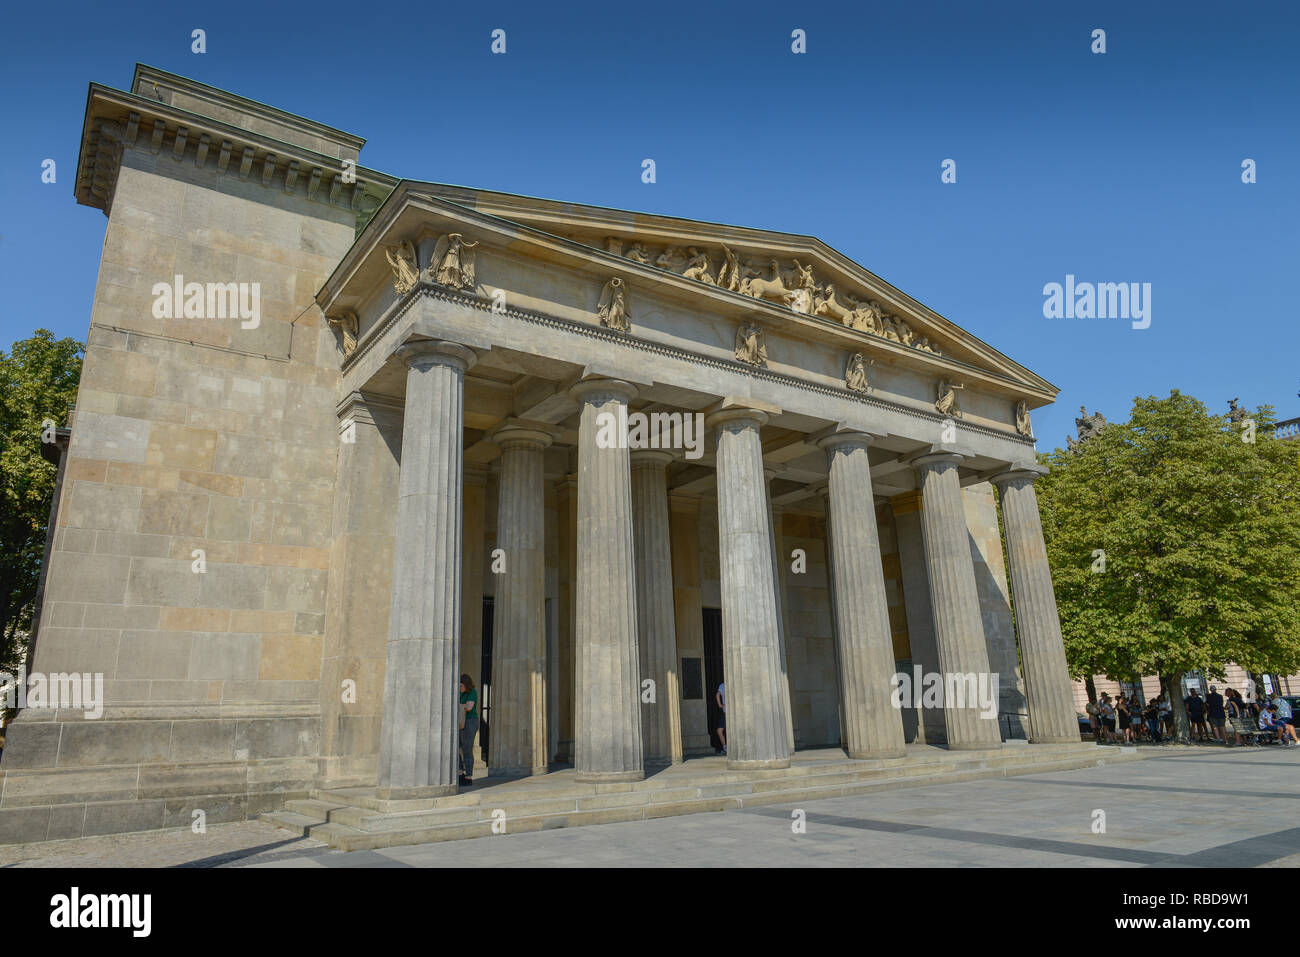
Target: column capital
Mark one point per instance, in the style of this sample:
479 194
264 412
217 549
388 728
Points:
651 458
422 353
938 458
517 436
851 438
601 390
1019 472
741 417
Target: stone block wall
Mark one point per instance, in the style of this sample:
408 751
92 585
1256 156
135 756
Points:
192 550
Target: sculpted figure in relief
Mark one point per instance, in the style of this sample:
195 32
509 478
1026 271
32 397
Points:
729 276
828 307
406 270
698 266
453 262
612 309
865 316
855 377
1022 419
346 326
673 259
749 345
773 290
636 252
947 401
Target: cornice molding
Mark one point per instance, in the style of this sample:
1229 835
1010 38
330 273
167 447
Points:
117 121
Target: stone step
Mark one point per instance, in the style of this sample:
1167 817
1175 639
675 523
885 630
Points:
356 827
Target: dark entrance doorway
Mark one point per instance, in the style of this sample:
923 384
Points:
713 674
485 681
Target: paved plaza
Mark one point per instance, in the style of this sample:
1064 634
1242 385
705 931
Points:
1179 807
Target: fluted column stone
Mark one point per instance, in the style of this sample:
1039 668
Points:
608 744
873 727
518 742
418 741
758 711
661 723
1050 696
954 599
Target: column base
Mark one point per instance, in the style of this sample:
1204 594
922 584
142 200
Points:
1057 739
416 794
608 777
890 755
771 764
519 772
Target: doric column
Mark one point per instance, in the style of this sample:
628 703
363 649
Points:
1042 652
954 600
608 713
518 742
661 722
873 727
779 559
417 756
758 713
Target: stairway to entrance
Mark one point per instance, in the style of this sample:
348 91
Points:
356 819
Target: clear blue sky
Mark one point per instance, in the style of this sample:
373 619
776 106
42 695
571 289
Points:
1123 167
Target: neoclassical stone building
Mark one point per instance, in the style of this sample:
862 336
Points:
283 533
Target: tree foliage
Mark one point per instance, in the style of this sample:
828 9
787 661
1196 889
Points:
38 384
1201 538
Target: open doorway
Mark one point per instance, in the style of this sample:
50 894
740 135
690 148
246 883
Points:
713 673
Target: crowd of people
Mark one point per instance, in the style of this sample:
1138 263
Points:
1125 720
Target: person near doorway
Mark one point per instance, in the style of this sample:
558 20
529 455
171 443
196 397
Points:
468 728
1215 714
721 697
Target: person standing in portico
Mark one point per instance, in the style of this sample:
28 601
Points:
721 697
468 728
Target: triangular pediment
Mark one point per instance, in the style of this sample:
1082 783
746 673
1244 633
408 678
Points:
798 272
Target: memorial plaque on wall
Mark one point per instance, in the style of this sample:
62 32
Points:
692 679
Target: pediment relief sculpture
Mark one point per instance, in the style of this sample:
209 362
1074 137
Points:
793 286
855 376
346 326
452 264
1022 419
612 310
946 403
406 269
750 347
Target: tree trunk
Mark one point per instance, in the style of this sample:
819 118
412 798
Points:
1173 687
1090 688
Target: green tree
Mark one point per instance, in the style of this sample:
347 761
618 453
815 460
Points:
1175 546
38 384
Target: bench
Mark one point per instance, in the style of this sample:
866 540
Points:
1243 728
